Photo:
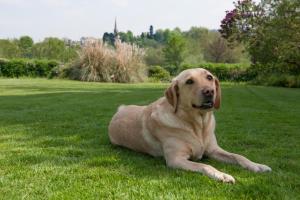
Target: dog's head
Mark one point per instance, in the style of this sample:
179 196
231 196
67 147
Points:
194 89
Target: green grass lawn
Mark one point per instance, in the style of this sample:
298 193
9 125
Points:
54 144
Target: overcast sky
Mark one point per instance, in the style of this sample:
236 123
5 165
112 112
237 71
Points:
76 18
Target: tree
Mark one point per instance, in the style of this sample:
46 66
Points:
270 30
197 39
216 50
174 50
9 48
154 56
54 48
159 36
177 30
25 44
123 37
130 36
151 32
108 38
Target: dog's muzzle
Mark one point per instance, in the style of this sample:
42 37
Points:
205 105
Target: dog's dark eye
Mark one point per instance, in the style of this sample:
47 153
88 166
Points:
209 77
189 81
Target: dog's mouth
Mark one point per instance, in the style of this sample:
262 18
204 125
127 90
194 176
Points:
205 105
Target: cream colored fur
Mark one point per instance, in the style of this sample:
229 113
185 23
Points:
174 128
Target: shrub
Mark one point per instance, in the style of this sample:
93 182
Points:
129 63
275 74
282 80
158 73
99 62
2 65
24 67
224 72
59 71
273 68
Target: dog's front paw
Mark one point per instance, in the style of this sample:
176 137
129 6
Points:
226 178
256 167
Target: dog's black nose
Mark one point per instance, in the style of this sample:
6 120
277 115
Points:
208 92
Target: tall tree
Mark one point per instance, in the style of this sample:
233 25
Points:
54 48
25 44
109 38
174 50
151 32
9 48
159 36
197 39
130 36
216 50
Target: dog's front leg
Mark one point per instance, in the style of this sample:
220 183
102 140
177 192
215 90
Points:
177 157
224 156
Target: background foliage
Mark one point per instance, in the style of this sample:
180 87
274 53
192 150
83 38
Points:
262 37
270 32
50 48
27 67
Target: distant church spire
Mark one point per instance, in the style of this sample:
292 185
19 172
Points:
116 29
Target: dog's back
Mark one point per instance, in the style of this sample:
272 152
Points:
126 128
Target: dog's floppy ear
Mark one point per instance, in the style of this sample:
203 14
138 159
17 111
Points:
172 94
218 94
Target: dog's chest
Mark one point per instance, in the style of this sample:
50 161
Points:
197 147
200 140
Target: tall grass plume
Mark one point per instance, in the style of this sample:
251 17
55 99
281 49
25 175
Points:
101 62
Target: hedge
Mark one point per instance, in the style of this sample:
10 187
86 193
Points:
272 74
23 67
224 71
268 74
276 74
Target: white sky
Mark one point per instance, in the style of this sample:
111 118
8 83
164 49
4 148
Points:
76 18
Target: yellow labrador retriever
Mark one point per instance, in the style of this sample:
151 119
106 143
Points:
179 126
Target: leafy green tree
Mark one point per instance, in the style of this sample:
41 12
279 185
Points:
174 50
177 30
108 38
54 48
51 48
9 49
270 31
159 36
130 36
166 35
197 39
154 56
123 36
25 44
